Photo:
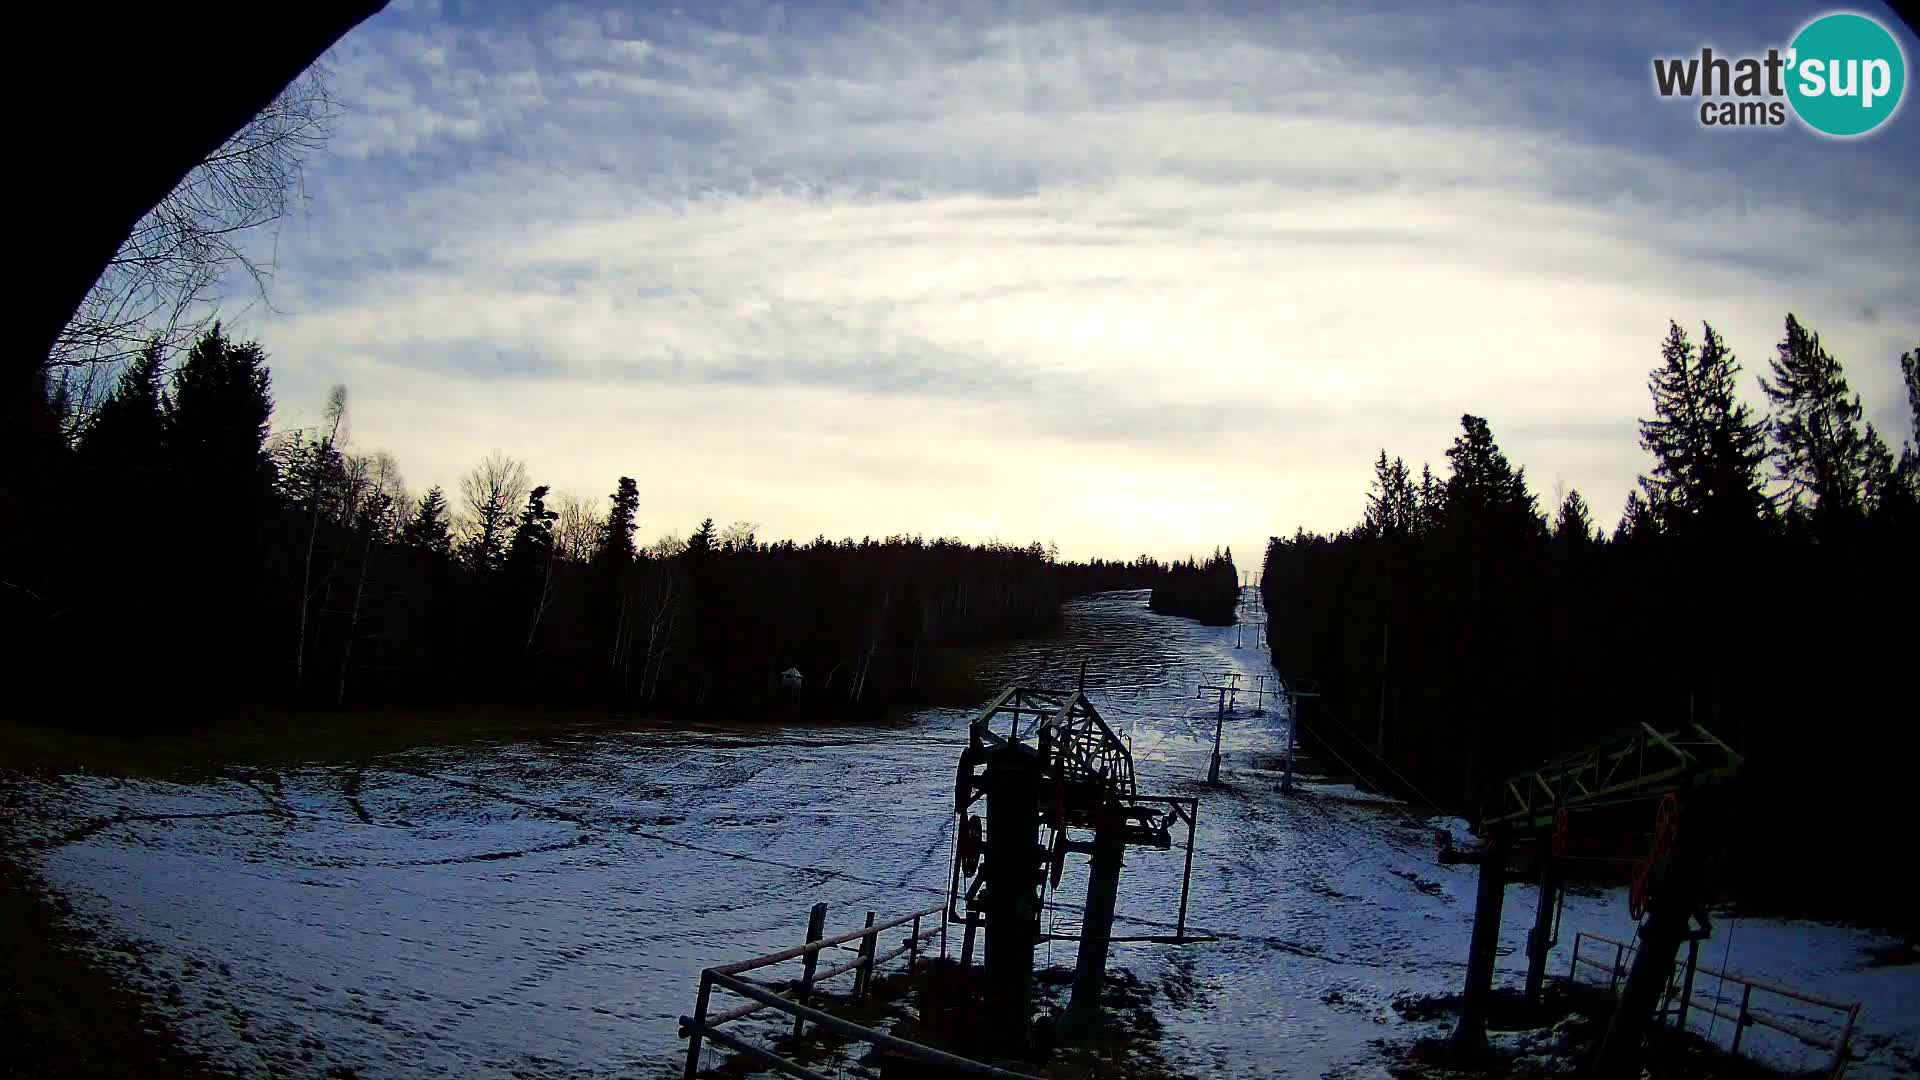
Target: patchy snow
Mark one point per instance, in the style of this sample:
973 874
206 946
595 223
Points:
545 908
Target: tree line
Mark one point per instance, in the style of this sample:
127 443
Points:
1208 591
1761 581
187 554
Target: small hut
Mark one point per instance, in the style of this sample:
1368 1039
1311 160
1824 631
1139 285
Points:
791 679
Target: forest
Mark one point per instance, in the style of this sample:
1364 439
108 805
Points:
1761 581
1208 591
190 555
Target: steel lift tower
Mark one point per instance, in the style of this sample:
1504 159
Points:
1526 819
1039 757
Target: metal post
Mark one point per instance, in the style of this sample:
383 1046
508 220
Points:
1613 987
1686 987
1839 1064
1186 876
1540 939
863 977
1670 904
1219 719
943 935
816 929
1293 721
966 942
1469 1042
1096 928
1740 1025
1573 969
699 1024
913 945
1013 869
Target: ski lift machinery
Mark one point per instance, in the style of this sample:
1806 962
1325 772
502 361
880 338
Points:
1044 758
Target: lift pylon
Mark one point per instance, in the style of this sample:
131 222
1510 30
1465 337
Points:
1531 812
1042 757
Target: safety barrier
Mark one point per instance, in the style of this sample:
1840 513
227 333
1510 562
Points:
1680 987
703 1025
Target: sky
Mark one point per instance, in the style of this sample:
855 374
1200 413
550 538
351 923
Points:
1131 280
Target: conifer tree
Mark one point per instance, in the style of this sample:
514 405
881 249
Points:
216 419
1573 524
1819 451
532 544
1430 502
430 529
1706 445
616 540
1637 520
701 542
1486 497
1393 506
125 433
1910 453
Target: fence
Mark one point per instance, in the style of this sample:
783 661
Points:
1680 986
703 1025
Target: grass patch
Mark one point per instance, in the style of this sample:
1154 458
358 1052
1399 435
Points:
199 747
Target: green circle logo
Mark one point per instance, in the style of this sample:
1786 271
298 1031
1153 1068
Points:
1845 74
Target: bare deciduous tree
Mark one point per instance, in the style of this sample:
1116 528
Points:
165 278
492 494
738 536
316 482
375 501
577 532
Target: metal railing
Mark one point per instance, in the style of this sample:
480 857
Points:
1681 988
703 1025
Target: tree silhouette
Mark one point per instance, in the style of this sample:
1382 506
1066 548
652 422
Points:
1393 506
491 492
125 433
1706 445
701 543
1573 524
616 541
1819 451
216 423
430 529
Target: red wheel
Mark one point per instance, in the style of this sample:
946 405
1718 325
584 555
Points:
1637 895
1666 827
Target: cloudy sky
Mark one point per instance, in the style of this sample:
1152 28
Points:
1145 280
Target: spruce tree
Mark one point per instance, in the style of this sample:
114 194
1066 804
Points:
1486 497
1707 446
125 433
1637 521
1393 506
616 540
1573 524
1910 374
1819 451
430 529
216 420
701 542
533 536
1430 502
1910 453
1889 494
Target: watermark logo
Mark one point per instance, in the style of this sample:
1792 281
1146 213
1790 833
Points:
1843 75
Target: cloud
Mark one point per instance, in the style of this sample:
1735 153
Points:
1125 279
